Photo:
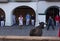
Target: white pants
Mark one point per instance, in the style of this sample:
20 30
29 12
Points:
32 22
57 23
27 21
20 22
2 23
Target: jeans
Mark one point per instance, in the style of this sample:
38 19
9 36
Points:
48 26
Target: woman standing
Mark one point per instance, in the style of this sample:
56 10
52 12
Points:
21 20
57 20
28 19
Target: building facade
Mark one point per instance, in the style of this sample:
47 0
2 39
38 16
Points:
39 8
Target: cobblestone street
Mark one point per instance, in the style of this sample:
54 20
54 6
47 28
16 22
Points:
24 31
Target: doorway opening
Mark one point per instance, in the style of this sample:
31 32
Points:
23 10
2 17
52 11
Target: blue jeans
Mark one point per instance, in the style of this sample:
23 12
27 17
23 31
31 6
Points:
52 25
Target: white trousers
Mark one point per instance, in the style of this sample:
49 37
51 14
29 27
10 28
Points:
2 23
32 22
27 21
57 23
20 22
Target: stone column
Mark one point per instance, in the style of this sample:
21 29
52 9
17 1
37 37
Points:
37 21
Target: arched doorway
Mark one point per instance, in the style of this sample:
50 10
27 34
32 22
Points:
2 17
52 11
23 10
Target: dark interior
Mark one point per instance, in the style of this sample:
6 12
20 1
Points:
23 10
2 13
52 11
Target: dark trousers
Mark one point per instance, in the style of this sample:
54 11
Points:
51 26
0 23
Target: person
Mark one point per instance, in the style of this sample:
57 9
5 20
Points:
50 23
38 30
21 20
59 32
2 20
57 20
32 20
14 22
28 19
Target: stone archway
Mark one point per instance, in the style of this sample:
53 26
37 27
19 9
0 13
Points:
2 16
23 10
52 11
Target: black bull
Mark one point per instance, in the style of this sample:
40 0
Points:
38 30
